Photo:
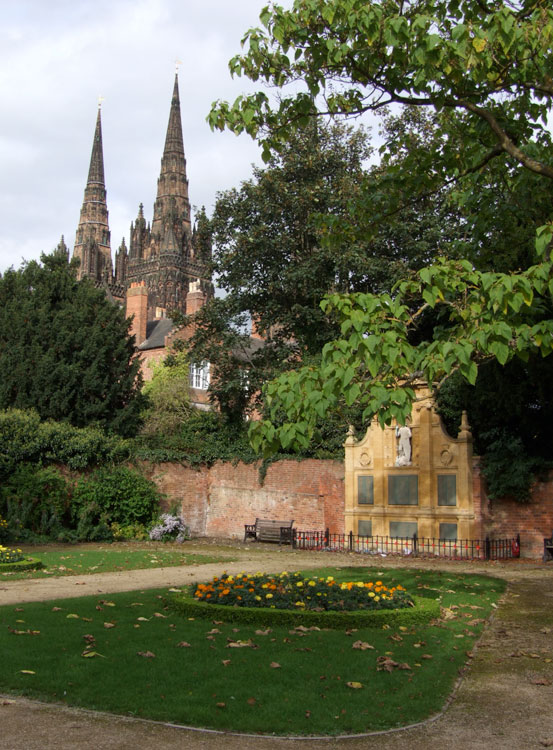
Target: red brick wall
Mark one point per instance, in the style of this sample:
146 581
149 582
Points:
220 500
507 518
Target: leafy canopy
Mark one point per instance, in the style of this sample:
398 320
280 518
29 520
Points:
486 69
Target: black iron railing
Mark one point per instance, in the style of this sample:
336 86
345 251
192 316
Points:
467 549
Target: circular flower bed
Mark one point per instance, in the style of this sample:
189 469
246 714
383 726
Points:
8 555
14 560
292 591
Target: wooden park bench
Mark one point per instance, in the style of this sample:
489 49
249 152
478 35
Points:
548 548
265 530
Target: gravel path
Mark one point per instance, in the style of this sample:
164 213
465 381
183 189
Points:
498 704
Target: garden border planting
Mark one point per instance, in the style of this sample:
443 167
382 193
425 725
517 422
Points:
424 610
29 563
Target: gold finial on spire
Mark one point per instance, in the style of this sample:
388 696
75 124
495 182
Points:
100 100
177 63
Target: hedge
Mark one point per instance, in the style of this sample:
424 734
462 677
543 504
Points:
423 611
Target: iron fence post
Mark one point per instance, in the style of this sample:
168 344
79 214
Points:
415 543
351 540
488 548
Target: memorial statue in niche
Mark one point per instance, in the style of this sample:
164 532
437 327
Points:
403 435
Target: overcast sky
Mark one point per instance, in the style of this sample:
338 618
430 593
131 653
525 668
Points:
58 56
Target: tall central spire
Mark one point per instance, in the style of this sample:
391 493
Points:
172 206
92 243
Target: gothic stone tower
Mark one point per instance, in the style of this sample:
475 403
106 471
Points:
92 243
166 256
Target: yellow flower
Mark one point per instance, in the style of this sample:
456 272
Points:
299 584
268 596
377 598
312 583
371 593
257 598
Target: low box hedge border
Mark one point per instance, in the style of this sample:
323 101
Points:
423 611
29 563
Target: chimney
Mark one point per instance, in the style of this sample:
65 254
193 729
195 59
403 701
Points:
195 298
137 308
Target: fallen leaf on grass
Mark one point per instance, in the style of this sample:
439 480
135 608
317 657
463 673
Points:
540 681
90 654
143 619
275 665
426 656
251 701
214 630
385 664
106 604
158 614
184 644
146 654
241 644
109 625
221 705
174 591
354 685
263 632
362 645
27 671
225 662
56 609
72 617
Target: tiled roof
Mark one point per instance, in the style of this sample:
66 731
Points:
156 331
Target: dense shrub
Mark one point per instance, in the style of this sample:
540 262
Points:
25 438
35 502
117 494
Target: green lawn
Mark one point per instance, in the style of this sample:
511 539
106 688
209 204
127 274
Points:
80 559
132 655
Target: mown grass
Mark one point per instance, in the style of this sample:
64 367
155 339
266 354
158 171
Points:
81 559
149 662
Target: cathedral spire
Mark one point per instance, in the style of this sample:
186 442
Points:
172 187
92 243
96 169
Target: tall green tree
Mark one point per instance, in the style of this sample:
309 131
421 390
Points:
485 69
65 350
272 261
